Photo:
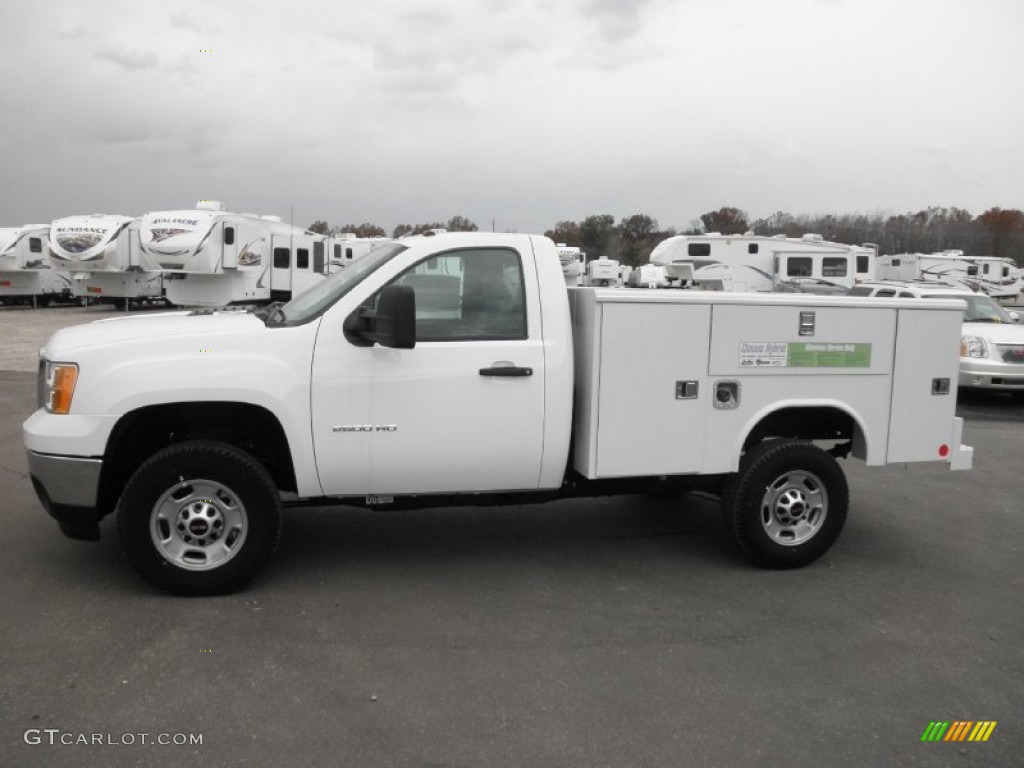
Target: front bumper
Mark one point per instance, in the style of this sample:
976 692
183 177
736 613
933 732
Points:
68 488
990 374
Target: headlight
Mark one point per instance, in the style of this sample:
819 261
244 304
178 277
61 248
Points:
57 386
973 346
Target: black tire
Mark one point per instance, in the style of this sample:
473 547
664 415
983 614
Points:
1018 395
787 505
199 518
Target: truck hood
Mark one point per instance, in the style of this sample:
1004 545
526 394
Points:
998 333
159 327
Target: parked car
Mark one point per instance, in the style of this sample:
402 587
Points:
992 344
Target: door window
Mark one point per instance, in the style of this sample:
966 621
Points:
470 295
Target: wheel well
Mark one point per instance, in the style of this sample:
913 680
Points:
141 433
805 423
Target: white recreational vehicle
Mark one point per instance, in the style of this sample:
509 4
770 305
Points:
996 276
25 273
603 273
760 263
212 258
101 252
573 261
648 276
346 247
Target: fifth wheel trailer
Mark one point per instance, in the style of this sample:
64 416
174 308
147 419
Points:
26 274
211 257
101 253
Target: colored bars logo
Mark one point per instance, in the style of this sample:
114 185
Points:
959 730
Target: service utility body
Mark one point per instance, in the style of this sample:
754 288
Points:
459 369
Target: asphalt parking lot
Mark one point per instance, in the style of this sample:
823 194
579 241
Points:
610 632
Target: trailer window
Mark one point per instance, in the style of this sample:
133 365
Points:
896 262
337 251
229 235
469 295
863 264
348 254
35 244
752 248
799 266
699 249
832 266
302 258
282 258
972 271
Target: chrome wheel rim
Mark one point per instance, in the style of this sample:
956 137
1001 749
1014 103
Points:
198 525
794 508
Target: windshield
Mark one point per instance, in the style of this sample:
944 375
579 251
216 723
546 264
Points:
314 302
980 309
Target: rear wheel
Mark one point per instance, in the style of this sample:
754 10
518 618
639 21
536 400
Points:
787 505
199 518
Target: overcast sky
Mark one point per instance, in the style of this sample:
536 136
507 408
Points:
520 112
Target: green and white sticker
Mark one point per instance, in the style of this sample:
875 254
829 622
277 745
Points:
811 354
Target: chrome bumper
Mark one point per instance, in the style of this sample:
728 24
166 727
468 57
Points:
70 481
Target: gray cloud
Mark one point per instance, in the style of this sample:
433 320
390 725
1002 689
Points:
133 59
182 20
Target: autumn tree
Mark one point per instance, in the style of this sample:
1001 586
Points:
567 232
598 236
460 224
403 230
365 229
1005 228
727 221
637 238
320 227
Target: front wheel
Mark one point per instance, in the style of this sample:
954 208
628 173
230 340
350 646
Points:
199 518
787 505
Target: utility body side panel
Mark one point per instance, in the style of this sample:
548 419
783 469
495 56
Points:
650 364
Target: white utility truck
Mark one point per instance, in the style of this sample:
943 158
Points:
101 253
211 257
25 272
459 369
752 262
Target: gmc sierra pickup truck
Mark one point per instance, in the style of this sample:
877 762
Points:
459 369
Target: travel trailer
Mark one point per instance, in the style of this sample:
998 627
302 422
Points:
101 253
211 257
752 262
998 277
603 273
573 262
648 276
26 275
346 247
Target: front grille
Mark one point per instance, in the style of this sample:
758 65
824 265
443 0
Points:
1012 353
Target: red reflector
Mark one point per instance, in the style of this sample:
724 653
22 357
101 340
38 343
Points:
6 284
943 450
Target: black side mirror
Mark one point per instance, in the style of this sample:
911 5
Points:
392 324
